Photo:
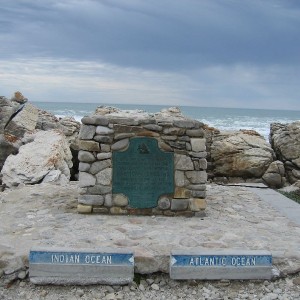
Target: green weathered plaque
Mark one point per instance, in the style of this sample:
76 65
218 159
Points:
143 172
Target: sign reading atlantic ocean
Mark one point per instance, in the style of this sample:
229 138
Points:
143 172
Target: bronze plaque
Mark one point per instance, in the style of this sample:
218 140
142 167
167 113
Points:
143 172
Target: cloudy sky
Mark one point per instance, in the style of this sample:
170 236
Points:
219 53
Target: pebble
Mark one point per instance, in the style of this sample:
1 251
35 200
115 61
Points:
43 293
110 296
155 286
150 281
80 292
22 275
296 281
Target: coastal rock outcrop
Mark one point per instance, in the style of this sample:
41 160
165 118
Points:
285 140
19 119
243 154
46 158
23 122
9 143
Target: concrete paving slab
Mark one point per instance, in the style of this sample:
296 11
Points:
281 203
236 217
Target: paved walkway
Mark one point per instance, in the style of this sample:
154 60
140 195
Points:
284 205
237 218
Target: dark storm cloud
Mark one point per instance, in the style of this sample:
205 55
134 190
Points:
232 53
157 34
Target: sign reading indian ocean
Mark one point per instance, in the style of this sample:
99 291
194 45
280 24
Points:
86 266
86 258
143 173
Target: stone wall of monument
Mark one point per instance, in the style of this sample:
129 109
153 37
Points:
110 131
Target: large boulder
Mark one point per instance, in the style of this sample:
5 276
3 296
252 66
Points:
23 122
68 125
274 177
285 140
19 119
46 158
9 143
7 109
243 154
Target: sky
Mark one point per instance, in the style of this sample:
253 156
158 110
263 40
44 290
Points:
211 53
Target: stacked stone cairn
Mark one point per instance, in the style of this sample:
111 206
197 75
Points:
110 129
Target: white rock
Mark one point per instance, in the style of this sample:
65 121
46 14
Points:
104 130
86 179
104 177
155 287
48 152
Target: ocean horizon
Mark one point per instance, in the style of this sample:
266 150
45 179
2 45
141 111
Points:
220 118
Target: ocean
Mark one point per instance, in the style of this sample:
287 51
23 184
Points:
220 118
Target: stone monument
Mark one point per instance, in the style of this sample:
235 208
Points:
133 162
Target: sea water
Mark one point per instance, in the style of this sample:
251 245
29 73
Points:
220 118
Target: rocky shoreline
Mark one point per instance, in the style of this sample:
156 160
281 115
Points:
242 156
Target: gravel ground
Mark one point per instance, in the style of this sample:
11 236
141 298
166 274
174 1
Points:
157 286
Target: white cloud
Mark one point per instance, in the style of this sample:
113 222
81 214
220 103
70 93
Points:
89 81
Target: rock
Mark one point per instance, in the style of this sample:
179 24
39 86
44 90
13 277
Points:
164 203
99 166
120 145
198 145
85 156
86 179
22 275
196 177
179 204
183 162
120 200
49 151
84 167
155 287
273 177
8 145
89 146
7 109
9 142
104 177
84 209
19 117
46 121
103 156
296 281
285 140
19 98
291 188
70 127
102 130
240 154
24 121
87 132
